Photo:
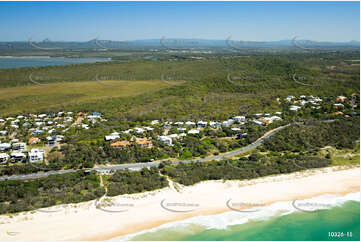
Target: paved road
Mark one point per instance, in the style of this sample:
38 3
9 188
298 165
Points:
138 166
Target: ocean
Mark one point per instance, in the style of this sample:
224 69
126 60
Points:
280 221
32 61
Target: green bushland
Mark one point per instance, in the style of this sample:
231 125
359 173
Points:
123 182
20 195
342 133
254 166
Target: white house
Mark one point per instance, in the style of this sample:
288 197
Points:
202 124
19 146
275 118
190 123
257 122
3 132
36 155
154 122
165 139
193 131
4 157
173 136
139 130
111 137
17 157
239 119
294 108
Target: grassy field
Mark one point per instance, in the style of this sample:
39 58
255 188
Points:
37 97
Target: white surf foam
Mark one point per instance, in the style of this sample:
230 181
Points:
222 221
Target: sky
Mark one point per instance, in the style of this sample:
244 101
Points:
247 21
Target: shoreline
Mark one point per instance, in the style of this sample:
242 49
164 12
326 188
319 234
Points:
84 221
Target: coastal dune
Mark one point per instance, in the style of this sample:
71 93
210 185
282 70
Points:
127 214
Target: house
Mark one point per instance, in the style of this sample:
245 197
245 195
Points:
179 123
289 98
111 137
341 99
182 134
181 129
149 128
228 122
3 133
59 138
276 118
278 113
266 120
214 124
294 108
5 146
239 119
190 123
4 157
51 140
202 124
19 146
154 122
338 105
236 129
36 155
33 140
173 136
120 144
144 143
139 130
17 157
165 139
257 122
193 131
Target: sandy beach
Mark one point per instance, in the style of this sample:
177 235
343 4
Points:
133 213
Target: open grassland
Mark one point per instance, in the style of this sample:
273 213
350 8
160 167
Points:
37 97
213 88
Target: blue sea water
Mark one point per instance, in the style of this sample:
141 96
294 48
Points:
17 62
278 222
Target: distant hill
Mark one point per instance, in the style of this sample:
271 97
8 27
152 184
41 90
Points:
169 43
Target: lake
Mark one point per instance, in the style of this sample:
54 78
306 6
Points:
34 61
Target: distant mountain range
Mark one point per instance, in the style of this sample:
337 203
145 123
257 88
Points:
170 43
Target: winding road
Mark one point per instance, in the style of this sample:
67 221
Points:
138 166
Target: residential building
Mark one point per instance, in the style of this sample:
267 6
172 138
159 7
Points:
4 157
165 139
36 155
19 146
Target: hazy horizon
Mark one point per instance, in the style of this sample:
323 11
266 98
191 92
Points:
120 21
